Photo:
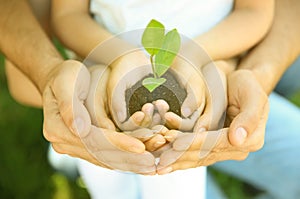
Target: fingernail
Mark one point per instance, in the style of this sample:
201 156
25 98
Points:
186 112
241 135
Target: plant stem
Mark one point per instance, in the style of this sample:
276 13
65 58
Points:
152 65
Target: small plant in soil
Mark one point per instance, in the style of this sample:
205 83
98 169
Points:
161 84
162 49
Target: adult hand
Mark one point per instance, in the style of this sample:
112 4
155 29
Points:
67 125
248 109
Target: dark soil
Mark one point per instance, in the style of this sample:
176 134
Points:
170 91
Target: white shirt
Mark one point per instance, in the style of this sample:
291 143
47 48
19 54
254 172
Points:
190 17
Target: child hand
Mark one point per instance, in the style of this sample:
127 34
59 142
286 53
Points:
214 102
191 79
157 139
125 72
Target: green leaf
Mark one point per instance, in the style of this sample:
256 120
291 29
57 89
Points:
169 50
153 37
152 83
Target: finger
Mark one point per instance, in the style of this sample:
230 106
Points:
156 120
171 135
162 107
54 128
112 140
142 134
124 75
210 157
119 151
216 98
78 152
56 132
157 153
255 141
195 96
70 89
205 141
160 129
191 159
96 101
134 122
139 119
148 110
173 121
190 77
203 151
155 142
251 106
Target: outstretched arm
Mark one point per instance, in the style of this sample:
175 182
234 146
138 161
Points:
77 30
279 49
32 52
242 29
74 26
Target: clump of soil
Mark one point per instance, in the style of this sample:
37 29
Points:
170 91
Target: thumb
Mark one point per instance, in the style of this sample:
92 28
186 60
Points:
195 98
216 98
70 88
252 103
96 101
116 93
118 84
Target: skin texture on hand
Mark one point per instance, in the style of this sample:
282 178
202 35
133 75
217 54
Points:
190 78
248 109
207 100
68 125
245 106
125 72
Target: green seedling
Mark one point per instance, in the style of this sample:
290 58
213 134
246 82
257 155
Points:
162 49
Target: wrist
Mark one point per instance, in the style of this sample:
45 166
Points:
45 74
267 73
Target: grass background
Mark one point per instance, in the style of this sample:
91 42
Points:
24 169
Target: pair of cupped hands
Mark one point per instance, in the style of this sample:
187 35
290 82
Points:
85 108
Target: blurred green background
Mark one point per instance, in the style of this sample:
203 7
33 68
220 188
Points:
24 169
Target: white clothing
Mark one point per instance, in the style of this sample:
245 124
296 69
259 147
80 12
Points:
191 18
104 183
